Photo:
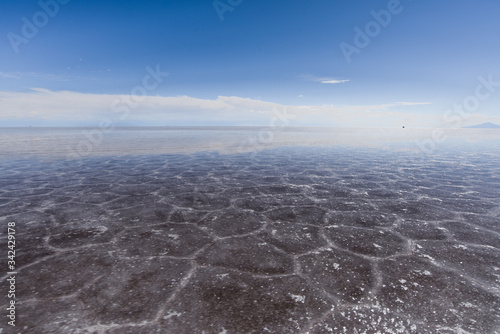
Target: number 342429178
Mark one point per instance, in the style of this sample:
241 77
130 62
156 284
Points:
11 236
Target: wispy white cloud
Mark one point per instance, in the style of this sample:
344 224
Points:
9 75
411 103
333 81
323 80
34 75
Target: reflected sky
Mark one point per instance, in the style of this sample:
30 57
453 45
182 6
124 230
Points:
71 143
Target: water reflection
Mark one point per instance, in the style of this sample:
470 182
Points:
85 142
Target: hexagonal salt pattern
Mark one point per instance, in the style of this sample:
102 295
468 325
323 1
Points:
291 240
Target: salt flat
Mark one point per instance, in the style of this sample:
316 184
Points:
288 239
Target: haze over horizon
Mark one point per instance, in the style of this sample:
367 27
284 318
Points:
241 63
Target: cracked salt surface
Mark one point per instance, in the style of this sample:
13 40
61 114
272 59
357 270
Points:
291 240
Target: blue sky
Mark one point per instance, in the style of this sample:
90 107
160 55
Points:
263 57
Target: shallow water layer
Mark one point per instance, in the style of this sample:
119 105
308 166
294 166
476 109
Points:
329 239
77 143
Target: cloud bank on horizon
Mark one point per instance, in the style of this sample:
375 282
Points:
42 107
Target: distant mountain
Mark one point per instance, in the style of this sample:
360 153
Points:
488 125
